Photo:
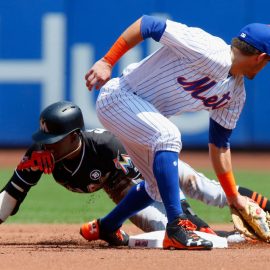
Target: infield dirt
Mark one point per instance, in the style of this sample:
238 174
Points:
57 247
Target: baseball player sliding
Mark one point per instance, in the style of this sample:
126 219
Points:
192 71
86 161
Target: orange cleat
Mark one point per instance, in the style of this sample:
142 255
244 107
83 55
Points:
92 231
180 235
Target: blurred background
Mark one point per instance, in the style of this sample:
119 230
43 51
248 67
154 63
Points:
47 46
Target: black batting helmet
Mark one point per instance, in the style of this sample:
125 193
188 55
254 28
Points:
57 121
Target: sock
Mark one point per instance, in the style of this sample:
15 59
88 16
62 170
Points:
165 169
136 200
262 201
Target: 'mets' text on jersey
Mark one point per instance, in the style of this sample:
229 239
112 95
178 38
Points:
190 72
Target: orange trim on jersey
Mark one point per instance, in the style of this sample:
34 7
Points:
119 48
228 184
264 203
259 198
254 194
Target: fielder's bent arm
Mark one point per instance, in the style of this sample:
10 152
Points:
143 28
101 71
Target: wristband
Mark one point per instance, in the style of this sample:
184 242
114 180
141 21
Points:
228 184
119 48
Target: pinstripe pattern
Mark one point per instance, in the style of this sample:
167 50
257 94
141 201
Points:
140 127
193 54
189 73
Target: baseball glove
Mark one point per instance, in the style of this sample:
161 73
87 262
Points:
252 221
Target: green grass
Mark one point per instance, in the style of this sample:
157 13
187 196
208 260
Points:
49 202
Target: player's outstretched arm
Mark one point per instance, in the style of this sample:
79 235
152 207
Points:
197 186
221 160
26 175
7 205
13 194
220 154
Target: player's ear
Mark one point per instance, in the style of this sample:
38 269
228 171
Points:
263 56
267 57
74 136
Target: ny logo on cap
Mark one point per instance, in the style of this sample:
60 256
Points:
243 35
43 126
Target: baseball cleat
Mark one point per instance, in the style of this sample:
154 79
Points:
207 230
201 226
92 231
180 235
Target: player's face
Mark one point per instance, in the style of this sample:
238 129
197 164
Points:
256 64
65 148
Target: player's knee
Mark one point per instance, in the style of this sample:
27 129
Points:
169 139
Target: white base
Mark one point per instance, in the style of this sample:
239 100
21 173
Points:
155 240
236 238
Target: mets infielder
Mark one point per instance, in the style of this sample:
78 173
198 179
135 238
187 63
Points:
192 71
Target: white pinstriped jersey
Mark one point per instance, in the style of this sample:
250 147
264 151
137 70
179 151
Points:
189 73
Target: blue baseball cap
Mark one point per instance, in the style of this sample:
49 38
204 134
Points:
256 35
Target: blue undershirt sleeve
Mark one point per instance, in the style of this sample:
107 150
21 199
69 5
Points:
152 27
218 135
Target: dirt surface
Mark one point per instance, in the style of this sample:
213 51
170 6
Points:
57 247
241 160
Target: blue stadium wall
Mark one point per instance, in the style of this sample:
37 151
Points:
47 46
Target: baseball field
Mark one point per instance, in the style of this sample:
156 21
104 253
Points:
44 233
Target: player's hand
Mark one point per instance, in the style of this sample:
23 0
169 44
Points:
98 75
238 201
40 160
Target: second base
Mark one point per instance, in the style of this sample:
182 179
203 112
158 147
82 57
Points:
155 240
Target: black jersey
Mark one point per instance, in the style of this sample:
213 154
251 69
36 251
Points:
102 161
